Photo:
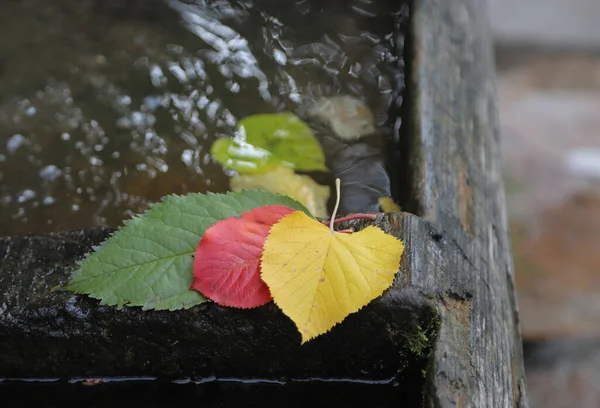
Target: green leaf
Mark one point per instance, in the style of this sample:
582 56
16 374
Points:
243 157
269 140
148 262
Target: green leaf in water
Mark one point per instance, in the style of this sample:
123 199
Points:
148 262
269 140
243 157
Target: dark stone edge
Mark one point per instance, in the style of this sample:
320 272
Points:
46 333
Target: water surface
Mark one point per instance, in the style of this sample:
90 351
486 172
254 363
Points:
106 106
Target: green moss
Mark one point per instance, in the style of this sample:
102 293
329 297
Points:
420 341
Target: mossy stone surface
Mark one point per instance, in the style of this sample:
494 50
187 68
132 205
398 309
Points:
46 331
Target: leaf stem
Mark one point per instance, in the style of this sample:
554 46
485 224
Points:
337 203
359 216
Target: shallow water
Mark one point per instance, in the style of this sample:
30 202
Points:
106 106
226 393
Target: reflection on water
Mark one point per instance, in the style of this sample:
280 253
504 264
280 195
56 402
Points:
210 393
106 106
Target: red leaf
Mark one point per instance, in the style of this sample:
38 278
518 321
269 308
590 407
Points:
226 266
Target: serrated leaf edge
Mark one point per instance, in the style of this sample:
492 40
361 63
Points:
140 217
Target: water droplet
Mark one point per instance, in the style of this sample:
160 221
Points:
50 172
49 200
279 57
26 195
94 161
153 102
15 142
187 157
124 100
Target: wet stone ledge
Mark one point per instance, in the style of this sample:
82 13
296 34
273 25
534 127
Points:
46 332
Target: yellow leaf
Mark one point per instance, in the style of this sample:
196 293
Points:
388 204
349 117
318 277
283 180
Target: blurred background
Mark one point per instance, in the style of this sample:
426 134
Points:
548 67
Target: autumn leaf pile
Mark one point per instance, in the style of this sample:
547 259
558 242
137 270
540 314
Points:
241 250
